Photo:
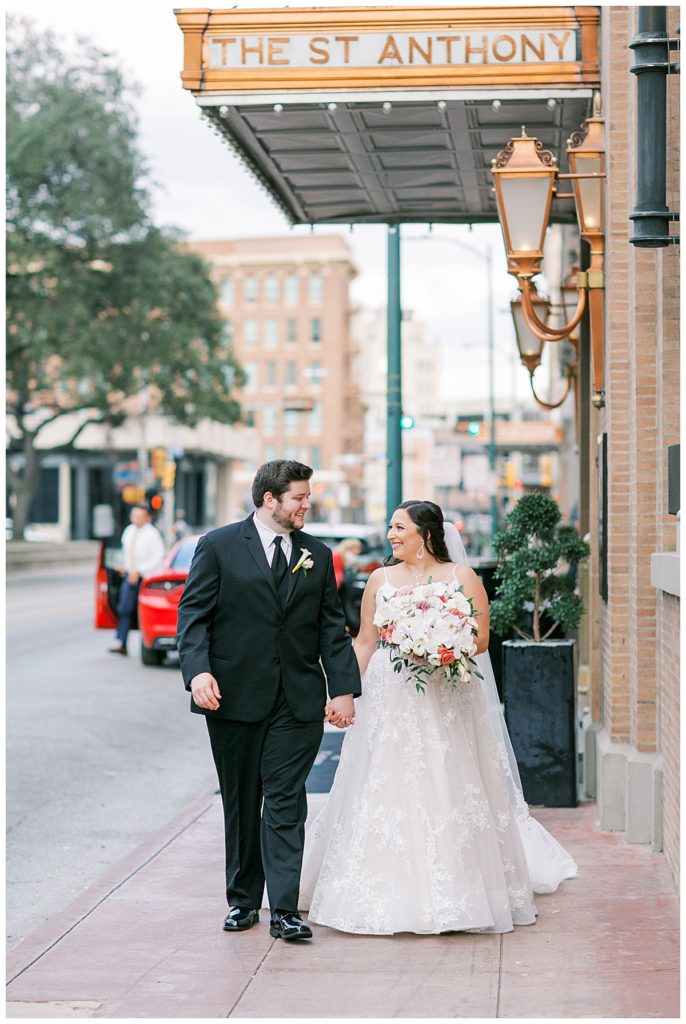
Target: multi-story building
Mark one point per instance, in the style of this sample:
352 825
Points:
287 310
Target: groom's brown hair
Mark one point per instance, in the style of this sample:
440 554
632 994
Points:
275 478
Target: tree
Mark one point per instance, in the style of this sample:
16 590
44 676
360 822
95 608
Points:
533 553
101 303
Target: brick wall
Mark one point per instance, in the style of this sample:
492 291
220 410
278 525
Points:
640 676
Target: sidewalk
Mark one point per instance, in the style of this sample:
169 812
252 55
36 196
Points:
146 941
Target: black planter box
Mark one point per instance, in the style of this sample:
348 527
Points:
539 690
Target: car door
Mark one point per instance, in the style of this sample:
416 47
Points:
108 581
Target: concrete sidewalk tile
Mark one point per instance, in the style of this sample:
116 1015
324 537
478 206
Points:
626 950
180 993
544 992
53 1008
338 952
403 992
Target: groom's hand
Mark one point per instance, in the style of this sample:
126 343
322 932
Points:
205 691
340 711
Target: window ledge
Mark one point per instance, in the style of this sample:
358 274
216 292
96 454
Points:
664 571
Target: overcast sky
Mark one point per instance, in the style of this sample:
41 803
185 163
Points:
202 189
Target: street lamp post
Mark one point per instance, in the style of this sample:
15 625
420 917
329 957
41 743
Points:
394 443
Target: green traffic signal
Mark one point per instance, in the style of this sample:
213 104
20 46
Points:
406 422
474 428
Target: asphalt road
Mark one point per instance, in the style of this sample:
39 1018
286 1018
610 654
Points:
101 751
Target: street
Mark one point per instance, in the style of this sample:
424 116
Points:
101 751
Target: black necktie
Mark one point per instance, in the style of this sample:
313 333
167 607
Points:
279 563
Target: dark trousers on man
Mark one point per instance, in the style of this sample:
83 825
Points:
126 609
262 769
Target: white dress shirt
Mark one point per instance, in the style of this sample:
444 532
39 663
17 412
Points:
143 548
267 535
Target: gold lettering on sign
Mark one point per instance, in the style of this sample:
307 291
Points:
483 50
223 43
322 55
245 50
275 49
346 40
448 40
414 45
498 54
540 52
390 51
560 43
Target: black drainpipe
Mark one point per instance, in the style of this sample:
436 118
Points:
651 46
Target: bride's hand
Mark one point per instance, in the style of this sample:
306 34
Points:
340 711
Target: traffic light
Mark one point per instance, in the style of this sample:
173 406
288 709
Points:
474 428
169 476
406 422
158 460
155 500
510 474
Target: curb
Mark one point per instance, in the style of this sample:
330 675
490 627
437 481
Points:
36 945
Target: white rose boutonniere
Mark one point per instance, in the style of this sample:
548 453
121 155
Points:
305 561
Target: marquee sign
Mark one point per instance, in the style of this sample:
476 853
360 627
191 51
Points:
386 47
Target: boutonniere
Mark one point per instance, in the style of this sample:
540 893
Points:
305 561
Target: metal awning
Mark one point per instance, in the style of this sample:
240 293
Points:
416 161
365 115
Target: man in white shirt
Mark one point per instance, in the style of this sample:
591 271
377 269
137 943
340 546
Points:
143 550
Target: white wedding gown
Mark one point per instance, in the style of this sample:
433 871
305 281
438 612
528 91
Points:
420 832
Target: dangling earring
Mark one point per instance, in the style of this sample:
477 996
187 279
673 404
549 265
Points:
420 549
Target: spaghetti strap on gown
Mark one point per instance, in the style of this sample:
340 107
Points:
419 832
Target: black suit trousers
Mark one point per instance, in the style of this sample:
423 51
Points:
262 769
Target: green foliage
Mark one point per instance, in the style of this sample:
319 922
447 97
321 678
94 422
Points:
101 303
535 555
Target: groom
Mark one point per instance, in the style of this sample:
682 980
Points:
258 619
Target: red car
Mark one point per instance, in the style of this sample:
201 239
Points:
158 598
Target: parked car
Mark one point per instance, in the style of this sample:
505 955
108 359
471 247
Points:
371 557
158 598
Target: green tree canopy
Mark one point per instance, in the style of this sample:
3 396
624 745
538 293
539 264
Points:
101 303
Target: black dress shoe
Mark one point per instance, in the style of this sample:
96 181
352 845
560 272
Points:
289 926
239 919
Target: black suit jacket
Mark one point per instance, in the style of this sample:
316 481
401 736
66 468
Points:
233 624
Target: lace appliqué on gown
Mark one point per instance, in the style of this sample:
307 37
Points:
418 833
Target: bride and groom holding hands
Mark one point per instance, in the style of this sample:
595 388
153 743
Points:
425 829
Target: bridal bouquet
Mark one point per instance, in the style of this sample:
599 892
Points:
428 628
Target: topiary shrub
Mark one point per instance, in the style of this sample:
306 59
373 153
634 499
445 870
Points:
532 578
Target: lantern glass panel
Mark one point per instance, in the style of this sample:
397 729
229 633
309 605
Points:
527 342
588 192
525 202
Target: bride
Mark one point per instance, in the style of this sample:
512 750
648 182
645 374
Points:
426 829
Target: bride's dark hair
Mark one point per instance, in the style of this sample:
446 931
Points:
428 518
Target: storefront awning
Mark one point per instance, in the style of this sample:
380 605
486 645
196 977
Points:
389 114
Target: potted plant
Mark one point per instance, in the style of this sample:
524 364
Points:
535 594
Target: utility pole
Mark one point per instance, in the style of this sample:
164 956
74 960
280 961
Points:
394 446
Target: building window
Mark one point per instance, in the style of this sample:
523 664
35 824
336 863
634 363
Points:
290 375
269 419
251 375
271 288
249 415
316 289
290 452
269 452
227 291
271 333
291 331
315 330
292 290
251 289
316 457
290 421
251 333
316 419
314 374
270 374
227 333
